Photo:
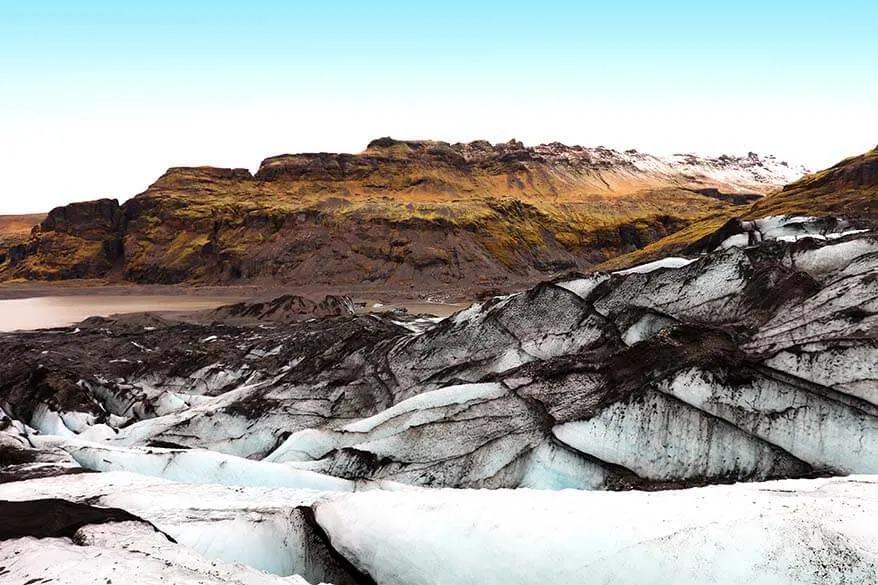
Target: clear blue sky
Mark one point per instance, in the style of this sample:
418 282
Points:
98 98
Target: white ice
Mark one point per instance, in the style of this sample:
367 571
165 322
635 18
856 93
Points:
255 526
645 327
193 466
661 438
669 262
824 433
127 552
417 410
583 287
812 532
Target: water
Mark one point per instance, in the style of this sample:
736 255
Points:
43 312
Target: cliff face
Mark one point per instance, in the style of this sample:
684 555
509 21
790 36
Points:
422 214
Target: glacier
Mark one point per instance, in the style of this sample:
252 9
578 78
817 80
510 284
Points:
711 417
817 531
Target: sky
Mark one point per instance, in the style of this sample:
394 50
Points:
97 99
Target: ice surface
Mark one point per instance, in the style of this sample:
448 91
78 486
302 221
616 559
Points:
790 227
260 527
645 327
196 466
427 400
785 533
699 291
852 369
835 256
512 358
49 422
206 424
669 262
553 467
126 552
738 240
661 438
584 286
824 433
776 533
418 410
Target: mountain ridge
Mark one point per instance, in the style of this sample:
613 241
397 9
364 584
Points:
416 214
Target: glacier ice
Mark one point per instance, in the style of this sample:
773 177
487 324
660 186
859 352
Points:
305 449
778 533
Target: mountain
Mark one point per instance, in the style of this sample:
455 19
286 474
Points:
402 213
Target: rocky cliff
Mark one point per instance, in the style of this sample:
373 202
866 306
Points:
402 213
